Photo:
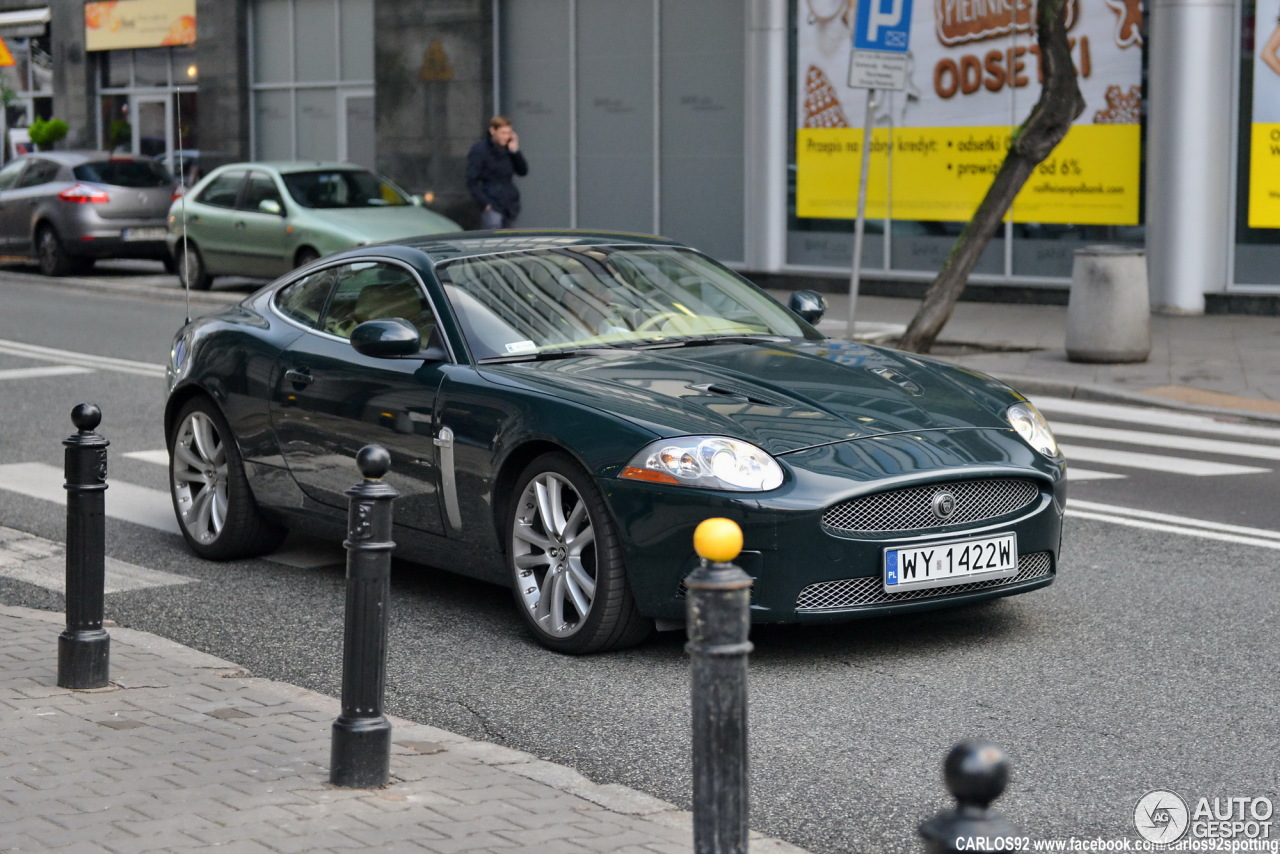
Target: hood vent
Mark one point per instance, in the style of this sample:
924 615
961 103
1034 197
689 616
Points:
742 395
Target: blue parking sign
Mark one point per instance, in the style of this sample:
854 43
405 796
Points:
883 25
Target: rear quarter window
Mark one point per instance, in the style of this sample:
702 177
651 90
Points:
124 173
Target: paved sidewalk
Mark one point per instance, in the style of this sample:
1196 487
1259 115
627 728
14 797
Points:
187 753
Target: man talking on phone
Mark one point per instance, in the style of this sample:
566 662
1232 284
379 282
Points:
491 164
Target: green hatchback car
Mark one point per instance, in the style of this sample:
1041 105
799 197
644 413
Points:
264 219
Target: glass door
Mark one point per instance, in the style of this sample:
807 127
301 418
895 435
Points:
152 125
358 139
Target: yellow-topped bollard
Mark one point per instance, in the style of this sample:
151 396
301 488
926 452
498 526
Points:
718 540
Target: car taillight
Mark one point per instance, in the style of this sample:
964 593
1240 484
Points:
81 194
178 193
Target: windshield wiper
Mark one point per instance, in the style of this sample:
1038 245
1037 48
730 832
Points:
548 355
706 340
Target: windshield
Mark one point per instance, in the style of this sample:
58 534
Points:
343 188
556 300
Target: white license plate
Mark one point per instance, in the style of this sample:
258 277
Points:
156 233
953 562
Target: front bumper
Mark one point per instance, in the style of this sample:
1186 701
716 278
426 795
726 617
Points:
803 570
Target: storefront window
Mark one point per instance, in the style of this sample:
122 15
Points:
1257 250
940 128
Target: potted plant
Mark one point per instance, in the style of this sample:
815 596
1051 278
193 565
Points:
45 132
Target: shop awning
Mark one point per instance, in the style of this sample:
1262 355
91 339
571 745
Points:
24 22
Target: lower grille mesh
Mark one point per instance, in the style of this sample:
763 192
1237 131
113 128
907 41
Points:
855 592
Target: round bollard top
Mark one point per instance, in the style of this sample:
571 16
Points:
976 772
373 461
86 417
718 540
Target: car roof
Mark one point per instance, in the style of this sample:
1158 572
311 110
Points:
463 244
288 166
75 157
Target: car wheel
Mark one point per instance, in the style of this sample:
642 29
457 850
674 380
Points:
52 258
211 497
305 256
568 575
191 270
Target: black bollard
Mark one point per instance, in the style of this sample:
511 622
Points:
84 649
976 773
360 755
718 606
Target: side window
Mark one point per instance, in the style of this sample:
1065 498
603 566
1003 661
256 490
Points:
39 172
374 290
223 190
303 300
9 174
260 188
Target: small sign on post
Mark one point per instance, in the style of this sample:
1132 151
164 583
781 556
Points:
881 38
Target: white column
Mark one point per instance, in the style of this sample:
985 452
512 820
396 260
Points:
765 217
1192 66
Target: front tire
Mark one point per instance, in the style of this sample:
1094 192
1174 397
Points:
305 256
565 559
191 270
215 507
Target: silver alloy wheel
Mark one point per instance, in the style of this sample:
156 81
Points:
552 542
200 477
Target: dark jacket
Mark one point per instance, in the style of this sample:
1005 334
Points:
489 171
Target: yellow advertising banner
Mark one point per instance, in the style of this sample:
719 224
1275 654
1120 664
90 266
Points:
124 24
942 173
1264 177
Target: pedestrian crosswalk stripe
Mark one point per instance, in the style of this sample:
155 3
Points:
152 508
158 457
43 371
1177 442
1154 462
1074 475
1154 418
1167 523
43 563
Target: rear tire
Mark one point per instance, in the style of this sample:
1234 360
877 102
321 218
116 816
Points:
50 255
566 565
216 511
191 270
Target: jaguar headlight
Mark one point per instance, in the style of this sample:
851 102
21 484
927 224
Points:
706 462
1032 427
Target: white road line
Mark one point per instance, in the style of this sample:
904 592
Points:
160 457
1154 418
1183 522
45 371
1168 524
1075 475
1154 462
85 360
1177 442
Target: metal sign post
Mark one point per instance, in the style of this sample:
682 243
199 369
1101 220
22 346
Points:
881 35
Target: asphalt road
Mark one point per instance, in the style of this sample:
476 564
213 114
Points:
1149 664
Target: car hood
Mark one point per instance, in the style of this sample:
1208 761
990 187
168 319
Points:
783 398
382 223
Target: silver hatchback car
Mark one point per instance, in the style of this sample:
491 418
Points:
69 208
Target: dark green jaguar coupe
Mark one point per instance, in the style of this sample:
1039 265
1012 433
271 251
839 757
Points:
563 408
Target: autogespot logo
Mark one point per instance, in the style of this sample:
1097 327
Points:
1161 817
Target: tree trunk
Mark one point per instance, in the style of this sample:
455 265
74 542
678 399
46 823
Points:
1059 104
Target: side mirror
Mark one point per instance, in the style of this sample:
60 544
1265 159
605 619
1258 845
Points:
271 206
810 305
386 338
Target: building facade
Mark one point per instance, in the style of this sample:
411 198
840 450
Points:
733 125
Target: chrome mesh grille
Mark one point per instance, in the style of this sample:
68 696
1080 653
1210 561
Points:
856 592
911 508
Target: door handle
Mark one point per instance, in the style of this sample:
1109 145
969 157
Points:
299 376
